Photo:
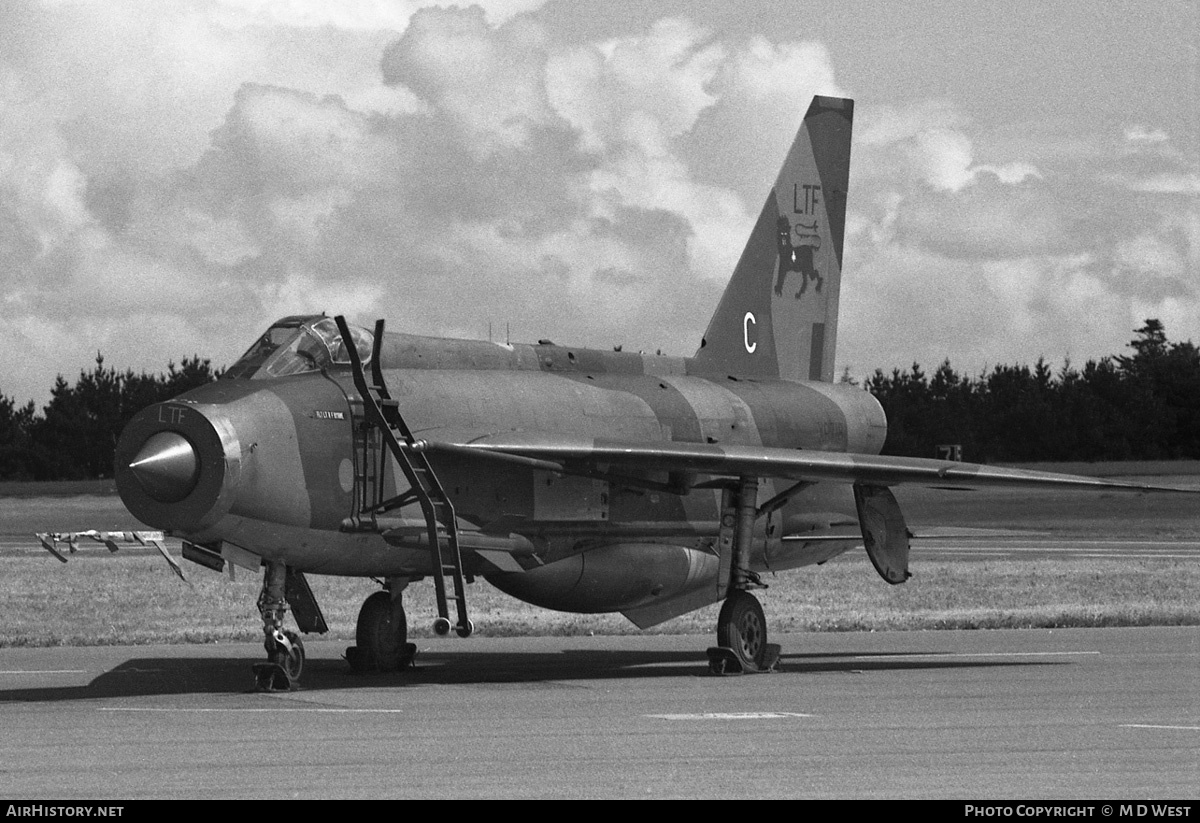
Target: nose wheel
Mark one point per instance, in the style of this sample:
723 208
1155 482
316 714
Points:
285 662
288 654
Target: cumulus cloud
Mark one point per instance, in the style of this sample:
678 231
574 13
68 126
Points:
611 191
1139 135
1008 258
110 208
642 90
487 80
761 90
449 167
930 139
990 219
365 15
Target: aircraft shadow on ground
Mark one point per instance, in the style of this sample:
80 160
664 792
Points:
144 677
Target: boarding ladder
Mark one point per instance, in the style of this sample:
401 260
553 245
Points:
383 412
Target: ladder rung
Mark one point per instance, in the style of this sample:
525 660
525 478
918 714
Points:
426 489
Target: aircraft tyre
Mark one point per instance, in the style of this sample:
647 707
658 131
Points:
291 661
742 627
381 635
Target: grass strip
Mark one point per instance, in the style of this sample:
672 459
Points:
102 600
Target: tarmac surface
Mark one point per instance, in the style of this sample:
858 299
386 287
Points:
1023 715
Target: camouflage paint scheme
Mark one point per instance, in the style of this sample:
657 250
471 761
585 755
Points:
281 477
583 480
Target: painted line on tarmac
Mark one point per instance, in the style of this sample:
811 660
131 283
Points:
1114 548
970 555
168 710
729 716
1152 726
1066 542
1127 556
944 655
44 671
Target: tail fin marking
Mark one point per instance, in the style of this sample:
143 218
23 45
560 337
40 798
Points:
778 315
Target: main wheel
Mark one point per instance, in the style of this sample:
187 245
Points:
381 634
741 626
292 662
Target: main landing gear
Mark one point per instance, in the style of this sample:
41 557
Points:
742 645
381 635
741 626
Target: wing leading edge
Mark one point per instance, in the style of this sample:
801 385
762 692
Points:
588 456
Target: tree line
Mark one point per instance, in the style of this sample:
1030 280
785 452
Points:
1139 406
76 434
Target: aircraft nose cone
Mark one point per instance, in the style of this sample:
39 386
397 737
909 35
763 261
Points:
166 467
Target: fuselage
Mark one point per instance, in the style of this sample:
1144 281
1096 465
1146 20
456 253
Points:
285 462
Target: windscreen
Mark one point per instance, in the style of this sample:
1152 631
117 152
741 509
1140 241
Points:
298 345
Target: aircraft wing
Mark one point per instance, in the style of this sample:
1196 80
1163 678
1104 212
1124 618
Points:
572 455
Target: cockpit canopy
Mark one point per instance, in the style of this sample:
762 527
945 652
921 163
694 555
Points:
298 344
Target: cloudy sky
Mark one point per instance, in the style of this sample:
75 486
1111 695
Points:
176 175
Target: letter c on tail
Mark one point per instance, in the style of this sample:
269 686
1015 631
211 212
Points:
746 321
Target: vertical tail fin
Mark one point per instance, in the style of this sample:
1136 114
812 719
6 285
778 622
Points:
778 315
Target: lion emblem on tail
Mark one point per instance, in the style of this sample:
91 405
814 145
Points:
798 256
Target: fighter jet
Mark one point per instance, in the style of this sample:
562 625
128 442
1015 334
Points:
573 479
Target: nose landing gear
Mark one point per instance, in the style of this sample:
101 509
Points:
285 650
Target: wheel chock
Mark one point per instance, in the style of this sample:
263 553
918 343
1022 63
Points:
271 677
725 661
359 664
408 656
